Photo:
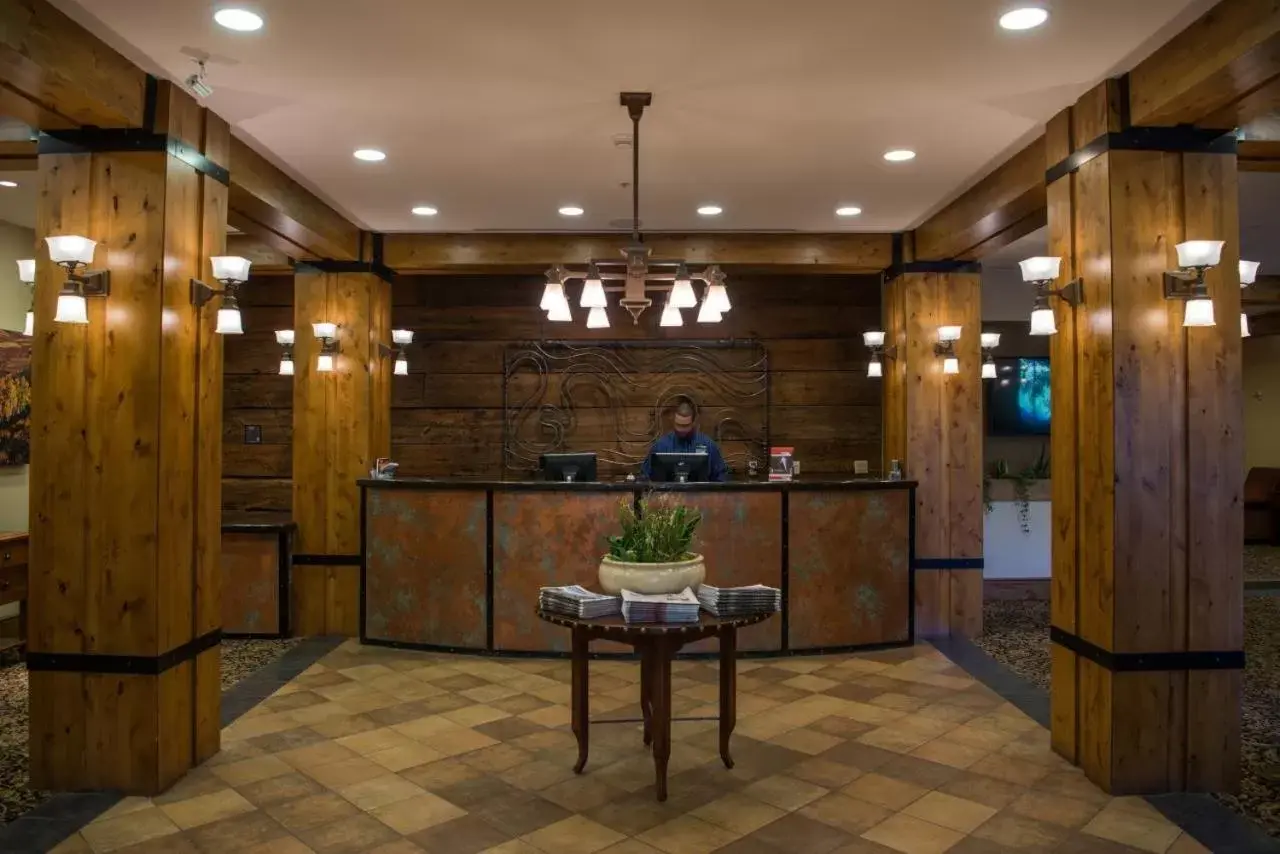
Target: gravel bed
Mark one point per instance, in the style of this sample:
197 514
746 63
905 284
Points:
1262 563
239 659
1017 635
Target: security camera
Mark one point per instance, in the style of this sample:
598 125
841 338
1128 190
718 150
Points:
196 83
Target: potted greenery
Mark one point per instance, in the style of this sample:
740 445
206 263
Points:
652 554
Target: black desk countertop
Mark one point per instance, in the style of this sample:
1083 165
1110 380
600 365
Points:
761 485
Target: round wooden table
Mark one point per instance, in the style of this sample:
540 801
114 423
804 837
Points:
657 644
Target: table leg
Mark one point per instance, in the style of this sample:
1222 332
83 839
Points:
580 697
646 691
728 690
661 678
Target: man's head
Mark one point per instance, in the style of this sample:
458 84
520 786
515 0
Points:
684 420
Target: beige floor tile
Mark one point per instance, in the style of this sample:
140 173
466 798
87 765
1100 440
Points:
248 771
339 775
549 716
895 738
74 844
398 846
869 714
1130 828
806 682
808 741
1187 845
764 726
949 753
204 809
574 835
489 693
426 727
1009 769
125 806
981 738
315 755
911 835
785 793
825 773
130 829
377 792
884 791
293 845
398 759
688 835
374 740
320 712
949 811
580 794
738 813
630 846
471 716
368 701
310 811
457 743
1021 833
515 846
848 814
417 813
497 758
1055 808
338 727
441 774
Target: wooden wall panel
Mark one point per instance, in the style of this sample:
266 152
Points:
961 298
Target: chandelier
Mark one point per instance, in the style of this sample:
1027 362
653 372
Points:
636 275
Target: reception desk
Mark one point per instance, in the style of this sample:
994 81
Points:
456 565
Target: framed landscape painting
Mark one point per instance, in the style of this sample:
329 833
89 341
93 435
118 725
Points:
15 399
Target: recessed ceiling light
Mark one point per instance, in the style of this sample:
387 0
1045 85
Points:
372 155
1027 18
425 210
710 210
848 210
240 20
8 184
571 210
899 155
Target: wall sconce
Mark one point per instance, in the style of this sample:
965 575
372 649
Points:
875 343
284 337
990 341
27 275
554 302
401 338
1187 283
71 252
1042 271
327 333
946 348
232 271
1248 275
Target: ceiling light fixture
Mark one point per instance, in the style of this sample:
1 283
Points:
1027 18
848 210
369 155
240 20
636 274
1187 282
27 275
899 155
9 184
425 210
1248 275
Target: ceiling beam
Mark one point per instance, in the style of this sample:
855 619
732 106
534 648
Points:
1259 156
1230 52
18 156
1264 291
56 74
265 258
1007 204
834 253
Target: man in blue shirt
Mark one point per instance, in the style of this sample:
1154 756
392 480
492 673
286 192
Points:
684 438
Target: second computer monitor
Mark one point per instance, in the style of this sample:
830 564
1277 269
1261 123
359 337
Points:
679 468
569 468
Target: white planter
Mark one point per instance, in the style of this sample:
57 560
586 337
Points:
618 575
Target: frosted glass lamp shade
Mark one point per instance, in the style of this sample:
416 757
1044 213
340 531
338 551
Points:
559 310
1199 313
682 295
229 322
707 313
988 370
951 365
948 333
597 318
401 337
990 340
284 337
27 271
718 296
552 295
324 330
324 363
1041 268
71 249
875 369
286 366
29 328
1200 253
1042 322
593 294
401 367
671 315
230 268
1248 272
873 339
1244 324
71 309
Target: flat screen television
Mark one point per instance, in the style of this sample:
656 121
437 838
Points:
1018 398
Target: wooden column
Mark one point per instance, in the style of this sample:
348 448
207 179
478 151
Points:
933 426
341 425
126 446
1147 466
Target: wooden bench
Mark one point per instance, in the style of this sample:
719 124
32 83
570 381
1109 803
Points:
13 586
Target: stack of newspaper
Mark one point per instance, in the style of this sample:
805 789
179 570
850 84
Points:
574 600
740 601
660 607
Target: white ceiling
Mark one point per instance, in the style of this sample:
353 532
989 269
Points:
18 204
499 111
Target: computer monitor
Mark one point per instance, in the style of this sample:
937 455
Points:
679 468
569 468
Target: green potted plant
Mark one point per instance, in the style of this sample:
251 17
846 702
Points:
653 553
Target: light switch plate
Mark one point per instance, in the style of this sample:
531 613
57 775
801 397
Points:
859 466
253 434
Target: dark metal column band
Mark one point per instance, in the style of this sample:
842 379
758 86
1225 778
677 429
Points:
326 560
1122 662
91 139
134 665
1190 140
947 563
951 265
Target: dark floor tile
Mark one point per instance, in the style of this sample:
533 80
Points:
973 845
287 787
1083 843
287 740
293 701
321 680
749 845
516 816
862 756
174 843
754 759
632 815
850 691
200 781
466 835
930 775
348 835
508 728
398 714
311 811
461 682
781 693
769 673
444 703
796 834
236 834
475 793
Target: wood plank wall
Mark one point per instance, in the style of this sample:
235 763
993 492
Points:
447 414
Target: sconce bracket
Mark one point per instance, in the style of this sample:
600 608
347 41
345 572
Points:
1072 293
1184 284
385 350
944 348
93 283
202 293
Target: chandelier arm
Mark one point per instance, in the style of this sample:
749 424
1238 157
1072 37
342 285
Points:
635 175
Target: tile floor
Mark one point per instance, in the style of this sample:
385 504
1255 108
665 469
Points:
390 752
